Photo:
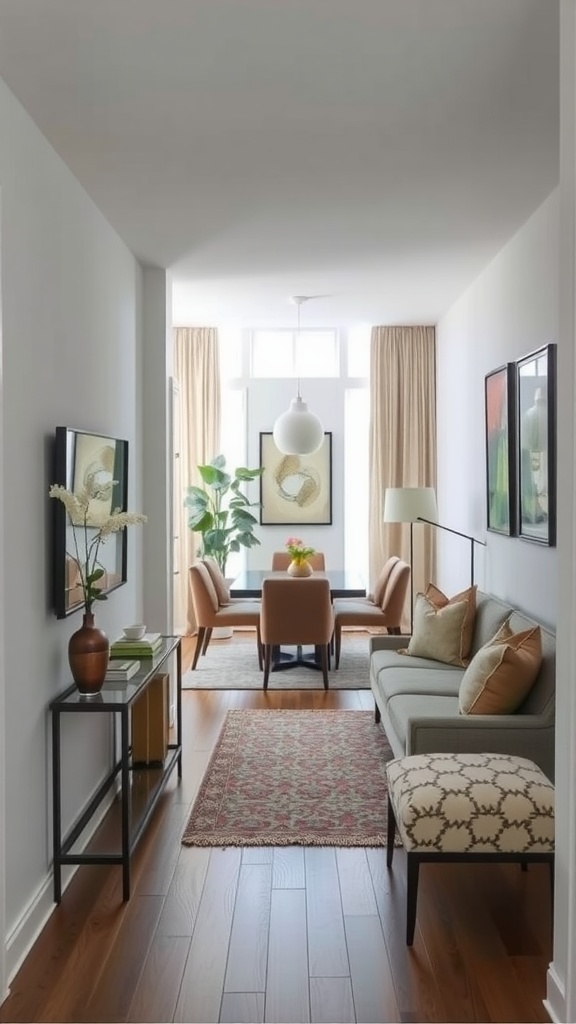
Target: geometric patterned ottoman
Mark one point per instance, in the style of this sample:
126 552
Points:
477 807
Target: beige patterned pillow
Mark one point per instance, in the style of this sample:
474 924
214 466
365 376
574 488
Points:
218 580
501 673
440 601
437 632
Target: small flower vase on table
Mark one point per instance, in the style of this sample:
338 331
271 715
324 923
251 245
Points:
299 568
88 654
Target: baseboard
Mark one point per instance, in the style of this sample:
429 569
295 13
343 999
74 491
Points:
23 935
555 1002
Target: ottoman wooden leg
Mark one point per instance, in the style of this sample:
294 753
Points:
412 869
391 833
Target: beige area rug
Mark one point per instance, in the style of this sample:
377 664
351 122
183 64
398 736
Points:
233 665
281 778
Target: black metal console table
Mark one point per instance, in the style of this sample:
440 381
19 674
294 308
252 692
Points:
140 786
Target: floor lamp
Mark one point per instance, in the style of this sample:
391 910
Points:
473 541
410 505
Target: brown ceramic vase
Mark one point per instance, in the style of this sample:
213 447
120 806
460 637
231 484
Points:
88 654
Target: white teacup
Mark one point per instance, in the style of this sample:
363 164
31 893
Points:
135 632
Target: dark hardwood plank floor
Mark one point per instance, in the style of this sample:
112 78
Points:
283 935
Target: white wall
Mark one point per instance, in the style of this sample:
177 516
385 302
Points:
509 311
71 337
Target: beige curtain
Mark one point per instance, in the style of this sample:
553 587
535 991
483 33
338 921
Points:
402 443
197 368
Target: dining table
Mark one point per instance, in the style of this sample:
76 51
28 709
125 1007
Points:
343 583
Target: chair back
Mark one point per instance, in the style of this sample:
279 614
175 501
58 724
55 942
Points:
204 596
395 593
281 560
296 610
379 589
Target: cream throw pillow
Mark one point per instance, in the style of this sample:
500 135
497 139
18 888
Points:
437 632
218 580
439 600
501 673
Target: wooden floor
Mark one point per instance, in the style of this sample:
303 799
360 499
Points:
286 934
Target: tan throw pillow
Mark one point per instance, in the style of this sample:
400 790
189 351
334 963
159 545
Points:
218 580
501 673
439 600
437 632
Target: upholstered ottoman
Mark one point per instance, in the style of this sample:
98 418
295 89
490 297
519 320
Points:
476 807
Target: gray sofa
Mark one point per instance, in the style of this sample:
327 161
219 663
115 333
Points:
417 698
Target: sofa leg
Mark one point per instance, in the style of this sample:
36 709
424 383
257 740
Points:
338 636
377 715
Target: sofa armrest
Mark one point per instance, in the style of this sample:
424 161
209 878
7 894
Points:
530 736
388 642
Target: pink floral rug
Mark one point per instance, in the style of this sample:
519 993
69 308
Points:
281 778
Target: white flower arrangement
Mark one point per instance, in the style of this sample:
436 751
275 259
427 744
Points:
86 519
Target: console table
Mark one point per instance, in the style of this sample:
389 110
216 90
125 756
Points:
140 786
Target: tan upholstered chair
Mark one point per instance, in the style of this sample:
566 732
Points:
296 611
366 612
281 560
210 613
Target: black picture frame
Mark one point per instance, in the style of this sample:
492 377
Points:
77 452
499 421
536 445
295 489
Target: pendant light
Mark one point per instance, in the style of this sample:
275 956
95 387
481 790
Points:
298 432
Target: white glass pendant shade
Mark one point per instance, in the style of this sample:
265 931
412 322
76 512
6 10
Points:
298 432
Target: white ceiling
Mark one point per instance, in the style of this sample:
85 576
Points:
376 152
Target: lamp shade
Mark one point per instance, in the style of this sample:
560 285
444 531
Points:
298 432
407 504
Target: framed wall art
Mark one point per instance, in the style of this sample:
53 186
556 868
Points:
536 445
500 451
78 457
295 488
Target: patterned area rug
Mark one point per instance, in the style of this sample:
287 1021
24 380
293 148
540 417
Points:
233 664
283 778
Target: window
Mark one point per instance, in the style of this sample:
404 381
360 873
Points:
356 475
358 351
294 354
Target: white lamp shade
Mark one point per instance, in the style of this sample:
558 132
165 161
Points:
407 504
298 432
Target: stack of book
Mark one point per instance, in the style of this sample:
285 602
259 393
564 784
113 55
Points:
120 672
143 648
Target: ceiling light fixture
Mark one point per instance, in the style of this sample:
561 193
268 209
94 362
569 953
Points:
298 432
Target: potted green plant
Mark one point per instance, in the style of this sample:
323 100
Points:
219 511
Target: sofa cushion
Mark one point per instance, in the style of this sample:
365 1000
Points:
501 673
405 708
218 580
490 614
443 681
439 600
437 632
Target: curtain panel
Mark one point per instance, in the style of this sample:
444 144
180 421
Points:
402 443
197 369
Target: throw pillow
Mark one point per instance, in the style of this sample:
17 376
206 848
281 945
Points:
439 600
437 632
218 580
501 673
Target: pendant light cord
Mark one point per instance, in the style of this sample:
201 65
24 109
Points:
299 302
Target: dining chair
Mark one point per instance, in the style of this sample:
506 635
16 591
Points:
281 560
209 613
366 612
296 611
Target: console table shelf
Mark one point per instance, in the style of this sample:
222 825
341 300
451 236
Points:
140 785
